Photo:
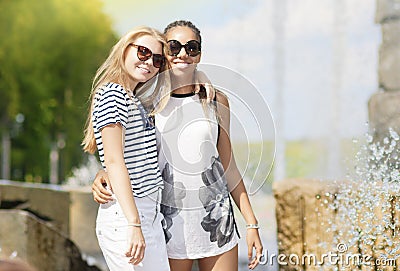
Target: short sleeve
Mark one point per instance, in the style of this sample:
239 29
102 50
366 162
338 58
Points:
110 108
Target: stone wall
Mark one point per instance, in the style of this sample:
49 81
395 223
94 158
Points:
309 226
384 111
301 219
38 243
71 212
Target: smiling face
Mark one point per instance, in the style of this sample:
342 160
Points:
182 64
141 71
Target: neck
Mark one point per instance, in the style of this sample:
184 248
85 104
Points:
132 85
182 85
184 90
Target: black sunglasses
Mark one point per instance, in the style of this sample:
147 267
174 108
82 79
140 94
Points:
192 47
144 53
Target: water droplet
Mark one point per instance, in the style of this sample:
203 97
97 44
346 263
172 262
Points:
376 179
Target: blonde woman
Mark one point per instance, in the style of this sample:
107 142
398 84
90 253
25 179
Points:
129 227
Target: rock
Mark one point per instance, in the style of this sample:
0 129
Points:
389 56
71 211
38 243
301 219
387 10
384 112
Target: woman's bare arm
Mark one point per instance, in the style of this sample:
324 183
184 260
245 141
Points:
235 181
120 181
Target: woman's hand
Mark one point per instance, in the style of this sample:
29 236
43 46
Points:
136 245
253 241
100 193
201 79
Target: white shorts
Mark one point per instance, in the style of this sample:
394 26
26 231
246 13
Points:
111 231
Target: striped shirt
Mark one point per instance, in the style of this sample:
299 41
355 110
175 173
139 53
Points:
113 105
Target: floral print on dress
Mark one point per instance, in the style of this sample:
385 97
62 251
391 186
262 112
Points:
219 221
171 202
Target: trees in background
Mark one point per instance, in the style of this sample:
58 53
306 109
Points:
49 52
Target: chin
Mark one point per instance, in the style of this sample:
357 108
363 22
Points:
141 78
182 71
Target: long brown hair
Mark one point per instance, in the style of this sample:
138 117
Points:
113 70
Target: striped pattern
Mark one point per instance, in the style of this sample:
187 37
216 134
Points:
113 105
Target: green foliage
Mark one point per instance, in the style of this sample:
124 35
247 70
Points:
49 52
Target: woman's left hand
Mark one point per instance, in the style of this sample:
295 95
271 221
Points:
253 241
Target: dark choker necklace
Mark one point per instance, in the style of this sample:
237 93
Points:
182 95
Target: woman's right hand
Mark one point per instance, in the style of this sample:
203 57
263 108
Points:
136 245
201 79
100 193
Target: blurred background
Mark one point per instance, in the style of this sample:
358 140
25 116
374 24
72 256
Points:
313 61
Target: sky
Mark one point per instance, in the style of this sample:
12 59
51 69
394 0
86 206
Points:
327 50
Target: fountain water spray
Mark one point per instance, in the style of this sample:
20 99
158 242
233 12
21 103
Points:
367 207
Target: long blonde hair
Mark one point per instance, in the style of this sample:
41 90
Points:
113 70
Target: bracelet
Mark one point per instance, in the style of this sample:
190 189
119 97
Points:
135 224
252 226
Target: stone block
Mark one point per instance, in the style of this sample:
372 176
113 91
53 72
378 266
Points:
389 56
38 243
384 112
387 10
302 219
390 33
363 221
50 203
70 210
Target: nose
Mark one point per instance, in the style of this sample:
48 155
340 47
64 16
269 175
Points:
182 52
149 61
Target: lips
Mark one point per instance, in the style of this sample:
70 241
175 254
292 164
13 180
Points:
143 69
181 64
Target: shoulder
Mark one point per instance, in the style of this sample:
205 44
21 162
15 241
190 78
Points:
112 89
111 95
221 98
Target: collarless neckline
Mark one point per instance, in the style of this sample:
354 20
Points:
182 95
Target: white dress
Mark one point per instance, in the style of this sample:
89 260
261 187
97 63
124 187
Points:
197 209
